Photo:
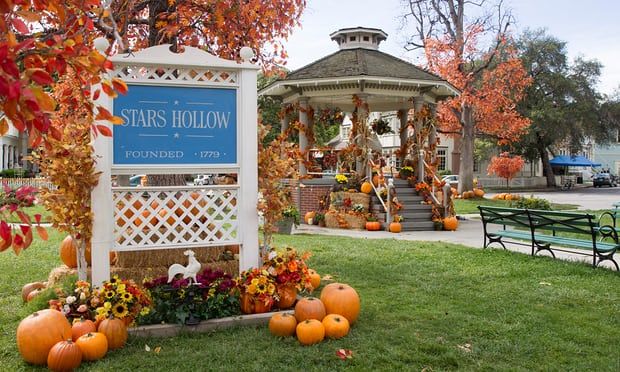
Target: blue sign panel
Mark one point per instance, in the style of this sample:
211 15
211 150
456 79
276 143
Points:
176 125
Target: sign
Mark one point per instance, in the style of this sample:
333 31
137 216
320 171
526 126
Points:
176 125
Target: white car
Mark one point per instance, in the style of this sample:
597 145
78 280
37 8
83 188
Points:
452 180
203 179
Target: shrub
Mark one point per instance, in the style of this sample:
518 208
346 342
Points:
531 203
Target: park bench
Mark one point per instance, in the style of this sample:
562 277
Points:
613 213
548 230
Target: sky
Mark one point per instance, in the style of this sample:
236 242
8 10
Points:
590 28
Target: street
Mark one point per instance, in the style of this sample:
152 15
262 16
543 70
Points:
585 197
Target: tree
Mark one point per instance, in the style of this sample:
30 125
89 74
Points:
491 79
505 166
562 103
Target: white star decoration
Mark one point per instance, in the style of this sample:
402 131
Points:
176 135
176 102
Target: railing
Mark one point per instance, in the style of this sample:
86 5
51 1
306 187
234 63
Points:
386 208
433 188
22 181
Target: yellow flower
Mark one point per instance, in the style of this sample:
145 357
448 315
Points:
119 310
145 310
109 294
120 289
261 288
254 281
114 279
107 305
127 297
271 288
251 289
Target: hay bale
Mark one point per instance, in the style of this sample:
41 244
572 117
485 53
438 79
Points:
167 257
355 222
336 198
139 274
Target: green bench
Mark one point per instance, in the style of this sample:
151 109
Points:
541 228
613 214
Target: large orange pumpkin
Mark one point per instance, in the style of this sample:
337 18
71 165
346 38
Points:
315 279
366 188
310 331
64 356
27 288
342 299
282 324
309 308
373 225
115 331
450 223
478 193
39 332
81 327
94 346
68 253
336 326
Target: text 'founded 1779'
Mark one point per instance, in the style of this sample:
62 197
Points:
176 125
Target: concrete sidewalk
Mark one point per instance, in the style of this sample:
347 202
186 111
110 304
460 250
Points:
469 233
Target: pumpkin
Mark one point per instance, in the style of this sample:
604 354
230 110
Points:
287 294
68 253
315 279
336 326
29 287
450 223
366 188
342 299
94 345
478 193
310 215
373 225
115 331
377 180
310 331
282 324
39 332
64 356
81 327
396 227
309 308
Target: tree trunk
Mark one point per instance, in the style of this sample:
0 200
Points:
544 157
466 169
81 259
166 180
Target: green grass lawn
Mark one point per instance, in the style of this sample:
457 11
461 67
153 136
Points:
429 306
31 211
469 206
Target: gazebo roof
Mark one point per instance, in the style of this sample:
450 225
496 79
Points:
360 68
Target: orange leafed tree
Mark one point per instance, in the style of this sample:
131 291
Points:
491 78
505 166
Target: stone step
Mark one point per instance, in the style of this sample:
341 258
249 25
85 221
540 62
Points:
406 199
408 216
418 226
406 208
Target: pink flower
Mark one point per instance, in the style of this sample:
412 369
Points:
82 308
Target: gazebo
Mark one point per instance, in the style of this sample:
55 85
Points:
361 78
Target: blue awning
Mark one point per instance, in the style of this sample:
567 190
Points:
573 161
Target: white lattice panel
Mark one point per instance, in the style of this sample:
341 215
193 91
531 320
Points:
195 76
175 217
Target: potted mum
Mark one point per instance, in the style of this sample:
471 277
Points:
405 172
290 217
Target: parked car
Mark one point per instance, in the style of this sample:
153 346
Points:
204 179
135 180
452 180
604 179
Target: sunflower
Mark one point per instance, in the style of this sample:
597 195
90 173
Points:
119 310
127 297
109 294
114 280
261 288
251 289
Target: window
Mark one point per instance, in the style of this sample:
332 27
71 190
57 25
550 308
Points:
345 133
366 38
441 156
476 164
618 136
352 38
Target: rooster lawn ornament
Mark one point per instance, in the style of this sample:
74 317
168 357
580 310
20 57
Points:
188 271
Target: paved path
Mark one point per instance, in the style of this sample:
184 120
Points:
469 233
584 197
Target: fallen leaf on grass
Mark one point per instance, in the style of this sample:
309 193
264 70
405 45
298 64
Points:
147 348
466 348
327 277
544 283
157 349
344 354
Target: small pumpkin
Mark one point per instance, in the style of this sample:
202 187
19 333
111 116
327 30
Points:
377 180
282 324
64 356
342 299
450 223
81 327
336 326
478 193
39 332
29 287
309 308
366 188
115 331
315 279
309 215
373 225
310 331
68 253
33 294
94 346
396 227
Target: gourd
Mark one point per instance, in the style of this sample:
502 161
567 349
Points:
29 287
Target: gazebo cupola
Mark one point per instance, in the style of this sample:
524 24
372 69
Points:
358 37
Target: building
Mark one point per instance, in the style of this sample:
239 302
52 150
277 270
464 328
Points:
13 149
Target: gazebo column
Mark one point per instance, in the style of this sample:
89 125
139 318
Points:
284 121
303 138
403 116
432 136
418 102
362 120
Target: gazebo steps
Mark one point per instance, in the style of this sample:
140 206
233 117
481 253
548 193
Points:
416 214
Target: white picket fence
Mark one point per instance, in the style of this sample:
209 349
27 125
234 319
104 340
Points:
35 182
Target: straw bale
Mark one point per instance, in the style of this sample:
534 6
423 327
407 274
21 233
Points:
167 257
